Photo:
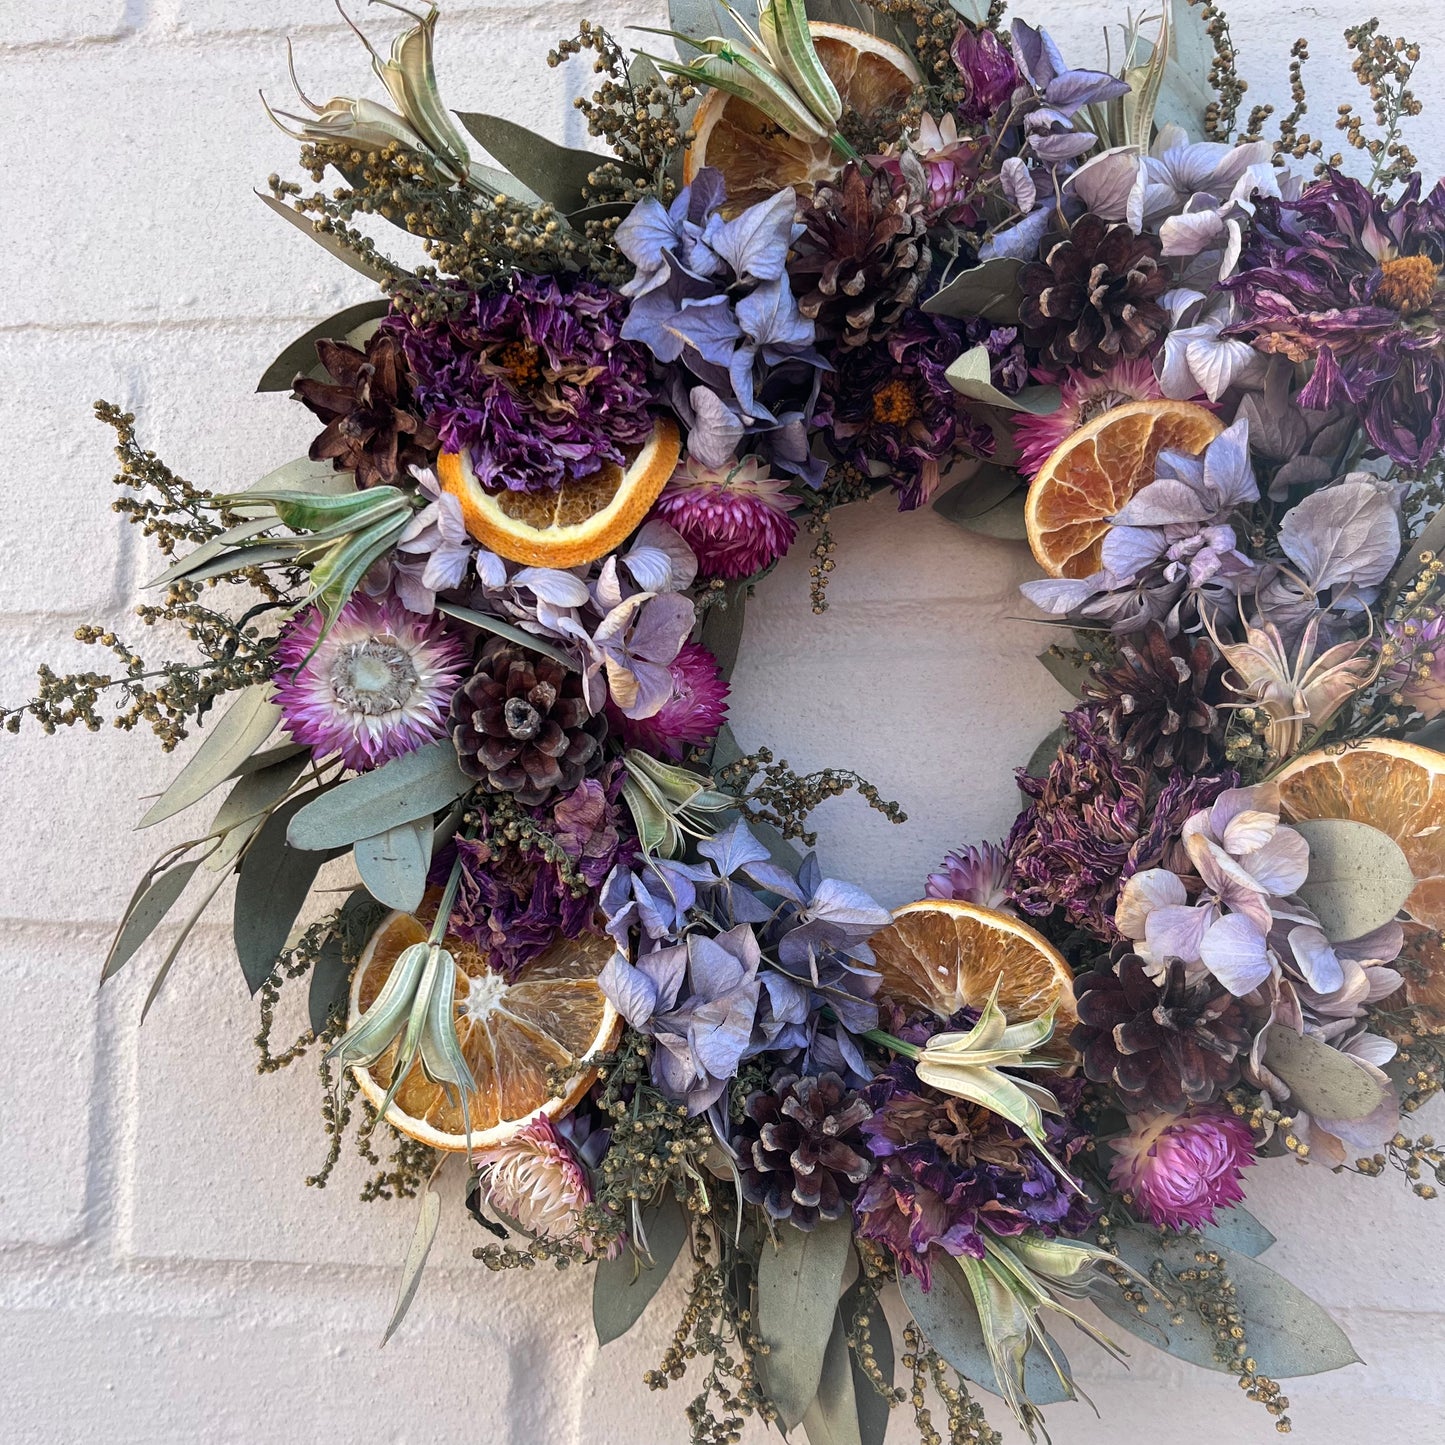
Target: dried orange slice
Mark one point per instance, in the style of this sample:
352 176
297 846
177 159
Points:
758 157
1396 787
579 522
1095 471
942 955
512 1034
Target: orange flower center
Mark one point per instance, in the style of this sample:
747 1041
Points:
1408 283
522 362
895 403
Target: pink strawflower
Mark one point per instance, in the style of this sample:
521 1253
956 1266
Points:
1180 1168
538 1179
378 685
691 717
975 875
734 517
1084 398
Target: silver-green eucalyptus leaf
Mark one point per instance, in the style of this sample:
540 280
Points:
394 864
623 1287
327 241
1359 877
415 1261
1322 1081
499 628
153 900
832 1418
989 290
300 355
972 376
210 551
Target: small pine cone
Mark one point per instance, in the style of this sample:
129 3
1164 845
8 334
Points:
799 1150
1094 299
521 725
1159 702
862 257
1162 1045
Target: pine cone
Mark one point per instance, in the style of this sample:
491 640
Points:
372 426
1161 1045
1159 701
1094 299
521 725
862 256
799 1150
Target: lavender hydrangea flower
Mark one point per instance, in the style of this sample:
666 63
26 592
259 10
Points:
535 380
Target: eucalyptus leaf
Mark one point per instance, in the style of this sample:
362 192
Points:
799 1282
1431 539
325 240
265 554
498 628
415 785
174 952
832 1418
556 173
207 551
874 1410
1042 757
1070 674
972 376
394 864
1359 877
858 16
251 798
241 729
623 1287
1289 1335
1004 521
152 901
493 181
301 475
301 354
1185 95
274 879
415 1262
1322 1081
1239 1230
327 993
979 492
703 18
946 1313
990 290
721 630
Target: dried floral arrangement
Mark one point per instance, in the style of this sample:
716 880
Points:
477 643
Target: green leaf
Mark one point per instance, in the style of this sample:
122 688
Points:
249 803
1042 757
859 16
990 290
946 1313
415 1262
832 1418
1004 521
1239 1230
1185 94
722 627
703 18
394 864
623 1287
193 918
325 240
1070 674
415 785
799 1282
1359 877
1322 1081
274 879
155 898
556 173
302 475
242 728
301 354
1288 1334
1431 539
979 492
498 628
972 376
874 1410
361 915
265 554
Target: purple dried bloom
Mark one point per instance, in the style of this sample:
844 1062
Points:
690 718
890 410
980 875
534 380
1182 1168
1093 823
1351 280
988 71
1417 670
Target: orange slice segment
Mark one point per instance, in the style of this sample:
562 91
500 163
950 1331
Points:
943 955
1396 787
579 522
553 1015
758 157
1095 471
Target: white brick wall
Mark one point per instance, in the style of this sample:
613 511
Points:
165 1276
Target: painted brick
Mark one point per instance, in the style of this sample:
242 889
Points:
71 22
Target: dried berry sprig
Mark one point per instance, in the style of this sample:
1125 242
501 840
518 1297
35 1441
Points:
1384 67
930 27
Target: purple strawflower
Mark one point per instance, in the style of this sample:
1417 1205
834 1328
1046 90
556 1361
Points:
1182 1168
980 875
375 686
891 411
691 718
513 902
1351 280
1092 823
949 1171
988 71
734 517
534 380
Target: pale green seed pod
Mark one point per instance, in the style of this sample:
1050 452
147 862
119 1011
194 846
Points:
783 26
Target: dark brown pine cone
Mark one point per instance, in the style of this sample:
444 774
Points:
862 256
372 426
1159 701
799 1151
521 726
1161 1046
1094 299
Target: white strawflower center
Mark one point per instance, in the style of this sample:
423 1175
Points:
373 677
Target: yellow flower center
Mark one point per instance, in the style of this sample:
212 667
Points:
521 360
895 403
1408 283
